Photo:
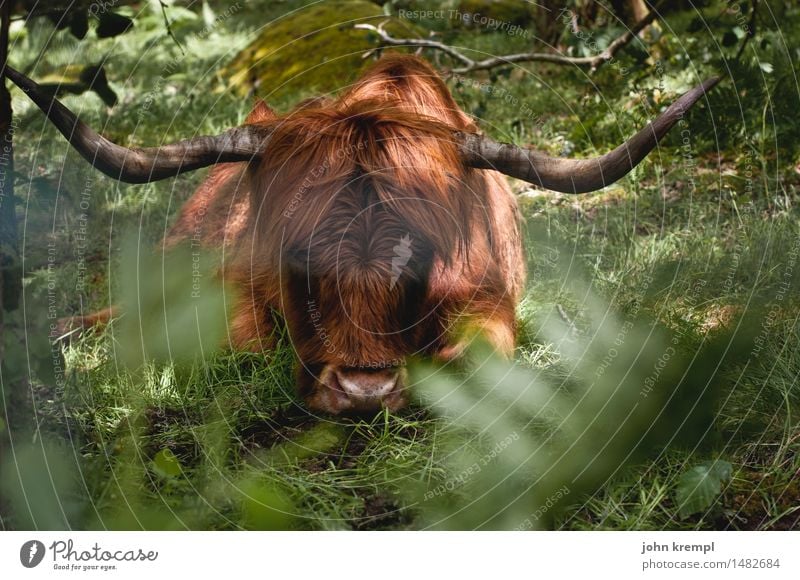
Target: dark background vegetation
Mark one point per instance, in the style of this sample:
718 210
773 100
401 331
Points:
655 382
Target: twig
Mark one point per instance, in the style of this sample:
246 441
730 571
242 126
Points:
573 330
470 65
751 30
169 27
420 42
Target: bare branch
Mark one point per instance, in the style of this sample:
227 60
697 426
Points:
751 30
470 65
169 27
420 42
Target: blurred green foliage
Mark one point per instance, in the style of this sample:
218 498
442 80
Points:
173 304
625 389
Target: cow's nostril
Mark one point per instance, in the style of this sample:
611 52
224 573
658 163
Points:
358 390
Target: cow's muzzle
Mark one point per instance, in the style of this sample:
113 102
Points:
344 389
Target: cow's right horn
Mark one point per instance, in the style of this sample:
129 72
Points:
575 175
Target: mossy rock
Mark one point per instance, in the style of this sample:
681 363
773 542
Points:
311 52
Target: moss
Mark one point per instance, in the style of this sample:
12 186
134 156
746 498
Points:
310 52
511 12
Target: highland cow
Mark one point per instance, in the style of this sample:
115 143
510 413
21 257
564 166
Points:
377 225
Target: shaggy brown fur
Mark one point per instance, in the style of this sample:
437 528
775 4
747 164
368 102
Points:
362 228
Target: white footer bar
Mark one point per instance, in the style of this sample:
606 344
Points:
396 555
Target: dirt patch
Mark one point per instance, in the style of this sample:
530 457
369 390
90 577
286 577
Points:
171 429
344 459
749 511
381 513
719 317
356 445
283 426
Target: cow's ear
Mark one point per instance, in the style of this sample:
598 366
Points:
260 113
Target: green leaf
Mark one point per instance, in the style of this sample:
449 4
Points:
95 77
208 15
59 19
729 38
696 25
79 25
166 464
181 15
112 24
264 506
700 486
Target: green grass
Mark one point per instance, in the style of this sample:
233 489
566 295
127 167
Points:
225 443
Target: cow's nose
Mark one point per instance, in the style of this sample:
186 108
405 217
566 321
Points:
365 385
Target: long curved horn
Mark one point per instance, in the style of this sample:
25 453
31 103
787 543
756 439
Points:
575 175
143 165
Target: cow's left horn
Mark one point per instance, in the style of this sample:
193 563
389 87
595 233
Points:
575 175
143 165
